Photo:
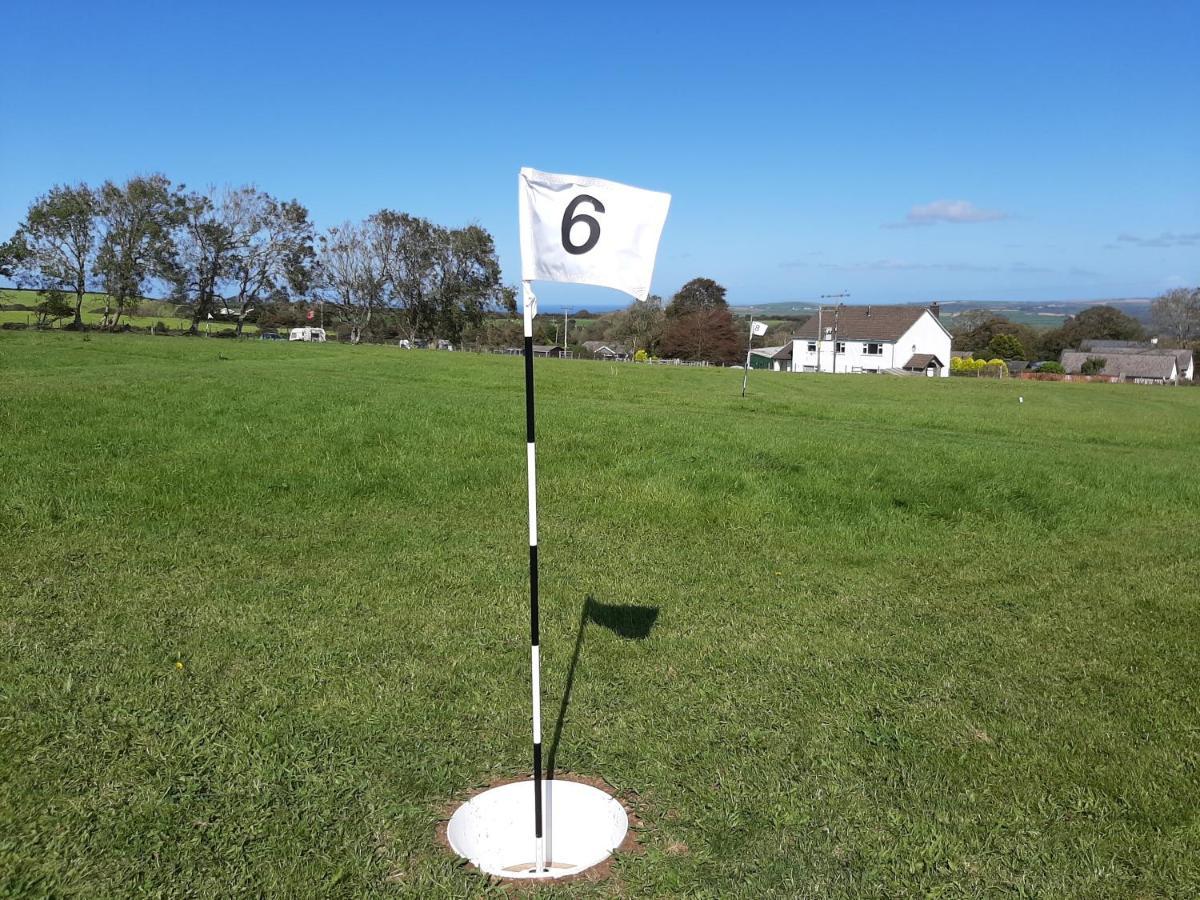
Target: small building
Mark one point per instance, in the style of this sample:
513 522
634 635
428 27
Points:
924 364
872 339
547 350
774 359
607 350
1137 367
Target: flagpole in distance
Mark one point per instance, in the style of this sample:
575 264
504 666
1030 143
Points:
539 840
749 347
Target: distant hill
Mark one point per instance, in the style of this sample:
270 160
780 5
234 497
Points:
1038 314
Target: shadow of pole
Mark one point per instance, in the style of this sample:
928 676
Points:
552 752
626 621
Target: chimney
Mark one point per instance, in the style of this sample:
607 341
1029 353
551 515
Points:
868 310
936 309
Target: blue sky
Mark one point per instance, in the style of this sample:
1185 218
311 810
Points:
899 151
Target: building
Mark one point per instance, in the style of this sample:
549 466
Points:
307 333
1159 367
547 350
604 350
873 339
1185 364
774 359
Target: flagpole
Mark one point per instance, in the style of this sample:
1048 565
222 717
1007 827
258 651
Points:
749 347
539 841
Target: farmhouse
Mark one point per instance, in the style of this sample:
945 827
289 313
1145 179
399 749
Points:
1140 367
908 339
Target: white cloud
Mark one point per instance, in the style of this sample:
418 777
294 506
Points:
1166 239
955 212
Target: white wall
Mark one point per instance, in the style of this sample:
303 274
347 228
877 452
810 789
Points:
927 336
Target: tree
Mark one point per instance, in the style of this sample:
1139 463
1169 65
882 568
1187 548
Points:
136 224
974 330
54 306
697 295
640 325
350 274
1099 323
275 254
439 279
1093 365
1176 314
708 335
55 247
1005 346
208 240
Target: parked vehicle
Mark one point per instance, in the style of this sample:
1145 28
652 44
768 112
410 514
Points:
307 333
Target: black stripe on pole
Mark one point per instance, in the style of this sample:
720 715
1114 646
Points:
534 637
537 790
529 390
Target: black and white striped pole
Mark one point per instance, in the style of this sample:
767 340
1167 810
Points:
539 840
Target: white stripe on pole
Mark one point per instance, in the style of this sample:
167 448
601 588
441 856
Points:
531 468
536 664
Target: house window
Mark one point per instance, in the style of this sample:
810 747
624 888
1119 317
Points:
873 349
812 346
840 347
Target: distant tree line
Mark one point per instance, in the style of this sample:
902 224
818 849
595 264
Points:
239 252
987 335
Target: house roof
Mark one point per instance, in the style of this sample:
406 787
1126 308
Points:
594 347
921 361
1016 366
784 352
863 323
1133 365
545 348
1115 345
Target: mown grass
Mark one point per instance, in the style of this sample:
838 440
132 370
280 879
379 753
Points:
263 614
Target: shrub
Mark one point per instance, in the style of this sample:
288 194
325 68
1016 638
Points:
1052 368
641 356
1093 365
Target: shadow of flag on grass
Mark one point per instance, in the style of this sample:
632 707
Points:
628 621
623 620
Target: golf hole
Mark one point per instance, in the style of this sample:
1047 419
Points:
583 825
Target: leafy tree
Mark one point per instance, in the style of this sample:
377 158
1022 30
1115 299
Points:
1096 323
973 331
54 306
1093 365
55 247
639 325
697 295
1052 368
208 241
136 221
350 275
1005 346
706 335
440 280
1176 314
275 254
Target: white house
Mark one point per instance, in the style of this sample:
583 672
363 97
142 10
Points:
902 339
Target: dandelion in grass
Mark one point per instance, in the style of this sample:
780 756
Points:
179 665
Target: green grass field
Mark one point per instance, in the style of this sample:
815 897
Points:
263 615
93 306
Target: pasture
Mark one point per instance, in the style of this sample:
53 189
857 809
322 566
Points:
263 615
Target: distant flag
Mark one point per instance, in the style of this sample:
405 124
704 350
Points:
758 328
589 231
309 315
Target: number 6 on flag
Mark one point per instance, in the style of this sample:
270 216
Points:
589 231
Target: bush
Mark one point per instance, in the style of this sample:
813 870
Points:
641 356
1093 365
1052 368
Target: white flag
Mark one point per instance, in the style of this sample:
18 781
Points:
759 328
589 231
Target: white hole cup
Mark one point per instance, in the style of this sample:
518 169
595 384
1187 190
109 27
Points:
494 829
